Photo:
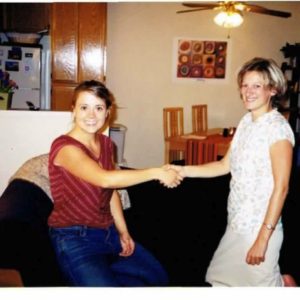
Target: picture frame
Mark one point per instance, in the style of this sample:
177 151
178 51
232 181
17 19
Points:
197 59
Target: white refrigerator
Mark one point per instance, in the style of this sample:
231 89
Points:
27 66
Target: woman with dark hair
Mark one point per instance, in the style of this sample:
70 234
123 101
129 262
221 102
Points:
87 225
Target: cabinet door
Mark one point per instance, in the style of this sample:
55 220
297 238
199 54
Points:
62 97
92 41
25 17
78 48
64 42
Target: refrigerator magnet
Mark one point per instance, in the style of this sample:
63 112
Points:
26 69
12 66
15 53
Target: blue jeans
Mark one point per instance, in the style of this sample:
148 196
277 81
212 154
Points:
90 257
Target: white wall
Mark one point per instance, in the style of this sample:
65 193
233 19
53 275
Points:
139 67
25 134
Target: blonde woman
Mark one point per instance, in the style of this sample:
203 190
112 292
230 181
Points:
259 160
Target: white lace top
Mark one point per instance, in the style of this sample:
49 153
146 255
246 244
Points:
252 181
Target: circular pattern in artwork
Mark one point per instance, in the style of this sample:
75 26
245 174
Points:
183 59
184 70
208 72
185 46
196 72
197 59
209 47
219 72
197 47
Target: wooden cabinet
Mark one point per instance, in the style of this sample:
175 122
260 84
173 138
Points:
24 17
78 32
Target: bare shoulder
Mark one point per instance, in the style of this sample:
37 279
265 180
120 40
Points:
69 154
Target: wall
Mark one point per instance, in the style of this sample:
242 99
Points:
139 67
25 134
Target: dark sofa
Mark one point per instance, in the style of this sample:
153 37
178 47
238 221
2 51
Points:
25 245
182 227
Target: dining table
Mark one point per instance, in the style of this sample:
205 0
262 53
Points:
212 135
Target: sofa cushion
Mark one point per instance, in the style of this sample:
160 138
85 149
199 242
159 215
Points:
25 244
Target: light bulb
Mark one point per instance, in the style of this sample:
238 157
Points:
229 19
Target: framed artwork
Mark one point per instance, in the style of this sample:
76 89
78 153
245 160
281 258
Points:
200 59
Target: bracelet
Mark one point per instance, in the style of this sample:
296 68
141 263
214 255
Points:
269 226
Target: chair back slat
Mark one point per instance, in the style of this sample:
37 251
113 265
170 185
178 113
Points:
173 121
173 126
200 151
199 118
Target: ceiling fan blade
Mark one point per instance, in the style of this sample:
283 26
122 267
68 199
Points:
262 10
191 10
202 5
238 5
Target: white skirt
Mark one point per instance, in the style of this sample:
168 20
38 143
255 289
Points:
228 266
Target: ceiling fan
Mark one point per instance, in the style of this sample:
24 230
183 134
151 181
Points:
231 12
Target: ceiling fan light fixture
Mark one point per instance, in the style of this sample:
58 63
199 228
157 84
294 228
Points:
229 19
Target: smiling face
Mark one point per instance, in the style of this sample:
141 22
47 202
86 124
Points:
256 93
90 112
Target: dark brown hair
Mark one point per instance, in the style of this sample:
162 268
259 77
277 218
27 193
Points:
96 88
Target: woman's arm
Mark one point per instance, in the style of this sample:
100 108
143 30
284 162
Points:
281 158
117 212
212 169
78 163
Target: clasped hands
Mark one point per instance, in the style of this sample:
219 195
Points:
172 175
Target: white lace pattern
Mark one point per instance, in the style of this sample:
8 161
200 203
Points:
252 181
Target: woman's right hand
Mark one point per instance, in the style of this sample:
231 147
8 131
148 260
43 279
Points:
179 169
127 244
170 177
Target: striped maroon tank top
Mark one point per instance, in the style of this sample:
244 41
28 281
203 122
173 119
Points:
77 202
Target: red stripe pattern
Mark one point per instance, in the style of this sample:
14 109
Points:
77 202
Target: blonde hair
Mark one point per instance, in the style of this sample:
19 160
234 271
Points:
272 74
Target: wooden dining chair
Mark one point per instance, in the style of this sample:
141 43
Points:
200 152
173 126
199 118
10 278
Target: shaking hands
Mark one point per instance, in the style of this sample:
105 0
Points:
171 175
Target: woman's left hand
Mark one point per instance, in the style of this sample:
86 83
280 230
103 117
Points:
256 254
127 244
